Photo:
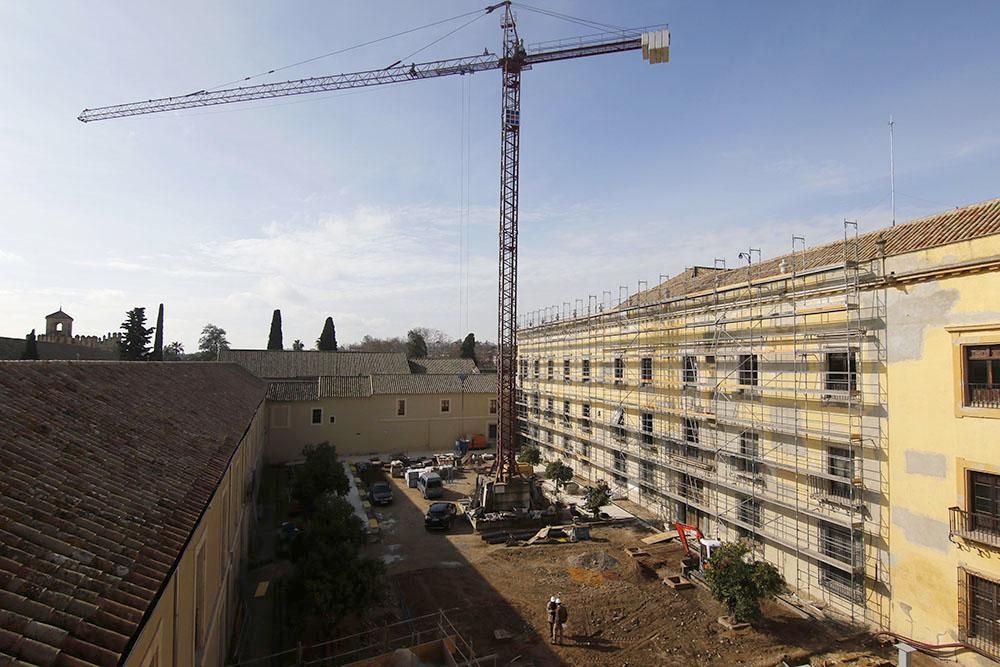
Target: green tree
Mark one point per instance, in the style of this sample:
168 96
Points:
327 341
157 354
741 583
597 497
468 350
332 580
174 351
416 346
321 472
30 346
274 338
134 342
298 345
212 342
559 471
530 455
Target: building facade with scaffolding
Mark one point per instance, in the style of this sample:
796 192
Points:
751 402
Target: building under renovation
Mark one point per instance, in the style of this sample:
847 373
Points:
754 403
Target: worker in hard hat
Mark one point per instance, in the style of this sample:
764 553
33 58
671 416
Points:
562 615
550 609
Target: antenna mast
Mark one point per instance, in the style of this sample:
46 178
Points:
892 174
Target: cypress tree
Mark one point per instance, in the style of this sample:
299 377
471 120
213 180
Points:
469 347
274 341
30 346
328 339
157 354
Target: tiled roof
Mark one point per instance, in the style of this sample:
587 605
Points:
59 314
346 387
479 383
292 390
277 364
11 348
442 366
107 468
961 224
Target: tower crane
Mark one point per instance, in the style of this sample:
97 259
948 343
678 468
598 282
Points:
653 41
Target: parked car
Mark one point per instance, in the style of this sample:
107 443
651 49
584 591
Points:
380 493
429 484
440 515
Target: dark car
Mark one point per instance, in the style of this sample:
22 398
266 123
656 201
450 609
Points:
380 493
440 515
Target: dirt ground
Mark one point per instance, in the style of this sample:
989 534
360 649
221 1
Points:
618 614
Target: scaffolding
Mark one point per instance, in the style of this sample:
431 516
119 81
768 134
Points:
752 408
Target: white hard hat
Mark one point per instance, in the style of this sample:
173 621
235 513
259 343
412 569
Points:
558 601
553 599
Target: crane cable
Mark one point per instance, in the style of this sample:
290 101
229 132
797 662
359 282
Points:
480 12
572 19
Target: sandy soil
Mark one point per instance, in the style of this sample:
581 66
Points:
620 613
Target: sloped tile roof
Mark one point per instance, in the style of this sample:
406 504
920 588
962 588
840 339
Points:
292 390
278 364
59 314
346 387
11 348
107 468
479 383
442 366
961 224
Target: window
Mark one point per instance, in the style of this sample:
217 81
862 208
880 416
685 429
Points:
691 430
549 368
566 413
549 437
281 416
537 364
646 420
749 451
317 416
585 449
841 583
535 404
691 488
585 372
748 369
492 431
445 405
493 406
549 409
841 372
333 419
621 461
690 373
749 511
619 369
982 376
585 419
984 493
646 370
566 369
836 542
978 615
401 407
840 462
619 424
646 471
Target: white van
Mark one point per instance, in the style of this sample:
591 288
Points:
429 484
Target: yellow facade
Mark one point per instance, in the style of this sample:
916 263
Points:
373 425
937 440
820 414
193 621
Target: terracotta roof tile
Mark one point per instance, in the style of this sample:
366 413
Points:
436 366
479 383
961 224
107 468
288 364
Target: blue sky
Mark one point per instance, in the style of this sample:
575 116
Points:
770 120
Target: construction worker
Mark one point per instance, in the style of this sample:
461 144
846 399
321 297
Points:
550 609
562 615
